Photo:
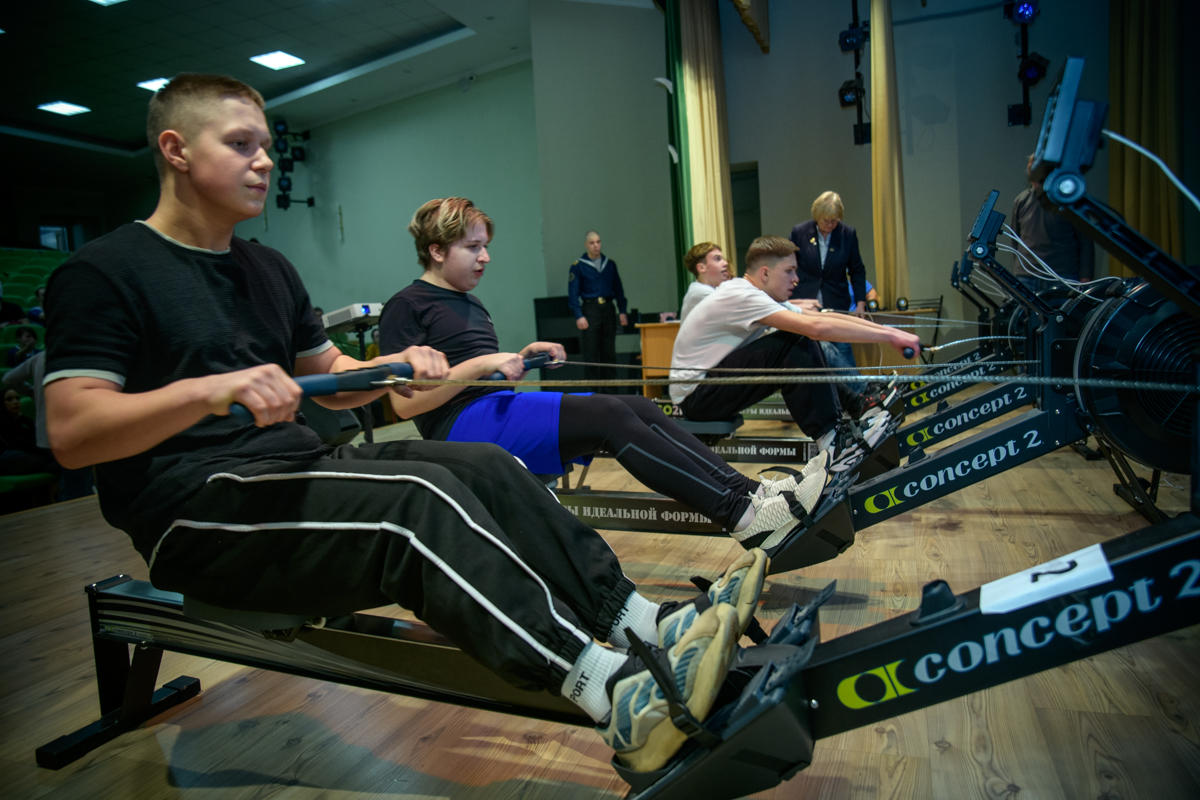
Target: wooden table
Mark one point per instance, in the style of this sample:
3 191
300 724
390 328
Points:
658 340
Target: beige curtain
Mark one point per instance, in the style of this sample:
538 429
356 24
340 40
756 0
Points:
707 137
1143 95
887 177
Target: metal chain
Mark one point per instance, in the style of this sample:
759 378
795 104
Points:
1035 380
785 370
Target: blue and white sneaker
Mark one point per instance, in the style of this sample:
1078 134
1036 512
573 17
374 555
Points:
739 586
639 728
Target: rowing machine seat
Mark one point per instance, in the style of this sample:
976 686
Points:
717 429
270 624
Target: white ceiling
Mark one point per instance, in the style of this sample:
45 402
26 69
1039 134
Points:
359 54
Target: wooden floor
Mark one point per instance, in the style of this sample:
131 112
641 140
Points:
1120 725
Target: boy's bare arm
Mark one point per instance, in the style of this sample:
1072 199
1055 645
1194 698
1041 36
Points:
427 363
90 420
841 328
478 368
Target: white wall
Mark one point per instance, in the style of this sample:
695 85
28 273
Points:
376 168
956 65
602 142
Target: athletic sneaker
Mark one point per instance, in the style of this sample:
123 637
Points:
739 587
639 728
816 465
773 518
846 450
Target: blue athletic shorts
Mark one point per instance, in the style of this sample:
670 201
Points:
523 423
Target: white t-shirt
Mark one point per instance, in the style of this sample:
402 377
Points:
695 293
726 319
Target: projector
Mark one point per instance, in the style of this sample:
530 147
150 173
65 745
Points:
352 317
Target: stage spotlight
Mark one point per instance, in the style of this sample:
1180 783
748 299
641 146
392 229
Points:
299 154
872 305
901 303
280 127
1032 69
286 164
283 201
281 145
853 38
1021 12
850 92
284 183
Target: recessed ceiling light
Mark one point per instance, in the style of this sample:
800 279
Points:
277 60
155 84
64 108
107 2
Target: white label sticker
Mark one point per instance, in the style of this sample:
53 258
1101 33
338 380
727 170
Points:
1069 573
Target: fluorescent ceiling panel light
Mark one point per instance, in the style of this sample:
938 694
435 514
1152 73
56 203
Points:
107 2
277 60
154 85
64 108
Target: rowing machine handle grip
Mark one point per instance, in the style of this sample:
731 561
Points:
354 380
361 380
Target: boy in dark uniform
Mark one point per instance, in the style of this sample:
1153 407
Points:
597 301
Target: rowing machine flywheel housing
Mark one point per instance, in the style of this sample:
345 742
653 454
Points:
1141 336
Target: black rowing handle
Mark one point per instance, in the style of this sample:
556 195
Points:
362 380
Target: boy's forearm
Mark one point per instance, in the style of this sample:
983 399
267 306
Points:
95 424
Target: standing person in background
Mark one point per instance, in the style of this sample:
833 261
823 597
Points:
1048 234
597 300
709 266
827 259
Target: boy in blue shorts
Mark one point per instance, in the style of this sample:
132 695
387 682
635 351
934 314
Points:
548 429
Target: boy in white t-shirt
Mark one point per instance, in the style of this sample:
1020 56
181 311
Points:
732 328
709 266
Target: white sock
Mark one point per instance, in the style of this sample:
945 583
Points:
585 682
826 440
637 613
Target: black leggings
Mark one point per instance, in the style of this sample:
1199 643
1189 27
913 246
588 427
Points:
813 406
655 450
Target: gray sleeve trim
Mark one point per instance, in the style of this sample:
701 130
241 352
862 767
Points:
316 350
119 380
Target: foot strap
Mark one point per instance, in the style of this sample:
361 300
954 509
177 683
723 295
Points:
681 718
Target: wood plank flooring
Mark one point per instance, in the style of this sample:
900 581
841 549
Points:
1119 725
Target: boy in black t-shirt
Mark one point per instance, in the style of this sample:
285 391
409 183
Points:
157 328
547 429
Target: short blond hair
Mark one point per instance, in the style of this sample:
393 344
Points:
768 248
179 105
443 221
827 204
698 253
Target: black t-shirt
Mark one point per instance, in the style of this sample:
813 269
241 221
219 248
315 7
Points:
143 311
455 323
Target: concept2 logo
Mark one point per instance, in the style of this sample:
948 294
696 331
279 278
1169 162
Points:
989 459
1108 609
983 411
945 387
871 687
